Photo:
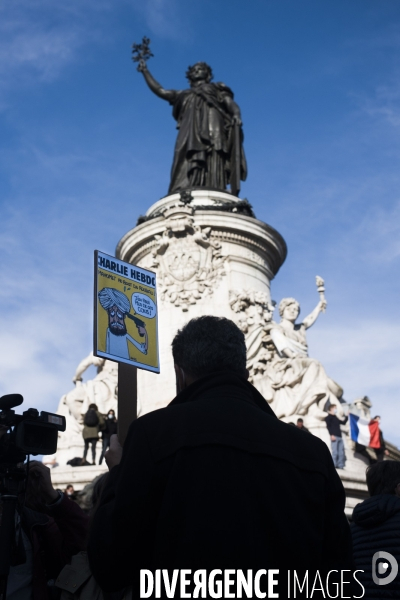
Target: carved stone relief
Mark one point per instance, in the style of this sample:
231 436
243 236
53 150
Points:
255 312
188 262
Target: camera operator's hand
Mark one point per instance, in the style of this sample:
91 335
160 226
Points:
114 453
41 474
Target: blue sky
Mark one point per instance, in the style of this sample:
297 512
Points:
85 148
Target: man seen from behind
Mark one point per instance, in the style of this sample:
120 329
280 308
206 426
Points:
215 480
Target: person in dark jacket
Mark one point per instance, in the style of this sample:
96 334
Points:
110 428
333 425
376 528
70 492
215 480
93 422
300 425
76 581
53 529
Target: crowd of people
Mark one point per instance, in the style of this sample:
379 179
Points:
334 426
212 481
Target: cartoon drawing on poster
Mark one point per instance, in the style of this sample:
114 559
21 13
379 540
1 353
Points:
125 313
117 305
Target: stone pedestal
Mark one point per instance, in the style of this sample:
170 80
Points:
62 475
203 251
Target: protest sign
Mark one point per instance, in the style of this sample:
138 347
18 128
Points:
125 313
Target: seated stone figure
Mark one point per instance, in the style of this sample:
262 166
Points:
295 384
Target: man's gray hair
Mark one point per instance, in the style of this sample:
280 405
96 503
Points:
287 302
208 344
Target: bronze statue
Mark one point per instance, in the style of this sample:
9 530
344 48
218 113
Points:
209 147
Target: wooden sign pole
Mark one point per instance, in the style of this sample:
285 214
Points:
127 399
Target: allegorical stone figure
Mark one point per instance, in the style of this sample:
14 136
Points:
300 384
209 147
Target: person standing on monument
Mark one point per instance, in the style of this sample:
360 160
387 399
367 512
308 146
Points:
110 428
215 480
380 452
93 422
333 425
209 150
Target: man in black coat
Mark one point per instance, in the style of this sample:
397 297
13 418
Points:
376 528
215 480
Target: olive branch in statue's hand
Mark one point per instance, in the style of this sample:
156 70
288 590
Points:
141 53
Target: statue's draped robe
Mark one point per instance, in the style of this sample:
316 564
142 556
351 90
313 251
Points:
297 386
300 383
204 145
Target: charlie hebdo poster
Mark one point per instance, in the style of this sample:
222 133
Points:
125 313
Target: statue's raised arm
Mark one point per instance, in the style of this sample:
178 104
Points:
153 84
209 147
321 306
141 54
313 316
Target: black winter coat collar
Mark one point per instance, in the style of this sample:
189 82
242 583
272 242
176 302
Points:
376 510
223 379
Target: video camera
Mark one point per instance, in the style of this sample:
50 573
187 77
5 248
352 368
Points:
30 433
20 436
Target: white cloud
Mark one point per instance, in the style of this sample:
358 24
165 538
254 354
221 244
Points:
45 325
30 47
38 40
382 104
39 349
45 53
165 18
385 103
382 225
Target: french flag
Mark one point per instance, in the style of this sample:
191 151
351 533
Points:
364 431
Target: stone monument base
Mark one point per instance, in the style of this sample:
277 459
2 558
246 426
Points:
79 477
